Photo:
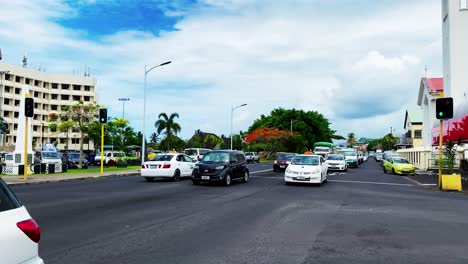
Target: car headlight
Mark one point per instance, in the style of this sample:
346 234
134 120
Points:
315 170
220 167
274 162
288 171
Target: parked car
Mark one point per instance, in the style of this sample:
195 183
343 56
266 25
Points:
72 159
196 153
378 157
222 166
168 166
398 165
110 157
388 154
306 169
252 157
49 157
282 160
19 233
336 162
351 157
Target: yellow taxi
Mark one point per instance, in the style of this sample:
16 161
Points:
398 165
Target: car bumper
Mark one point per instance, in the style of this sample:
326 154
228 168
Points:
208 178
280 166
314 178
157 173
405 172
340 167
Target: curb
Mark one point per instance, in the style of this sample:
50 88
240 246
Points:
75 179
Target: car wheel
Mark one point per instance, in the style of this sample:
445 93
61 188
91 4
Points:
287 183
149 179
227 180
274 169
258 161
246 177
196 182
393 171
176 176
384 170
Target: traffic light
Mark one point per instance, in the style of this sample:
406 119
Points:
103 115
28 107
444 108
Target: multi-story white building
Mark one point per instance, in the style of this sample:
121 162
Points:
50 92
455 51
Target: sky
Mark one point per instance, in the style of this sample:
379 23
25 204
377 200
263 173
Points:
358 62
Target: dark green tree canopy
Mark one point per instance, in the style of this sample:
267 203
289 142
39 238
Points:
311 125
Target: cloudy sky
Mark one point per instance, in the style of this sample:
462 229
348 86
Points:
359 62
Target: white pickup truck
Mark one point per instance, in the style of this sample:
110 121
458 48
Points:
252 157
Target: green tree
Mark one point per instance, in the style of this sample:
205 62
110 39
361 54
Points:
167 124
212 142
388 142
195 140
351 140
65 127
176 142
374 145
311 125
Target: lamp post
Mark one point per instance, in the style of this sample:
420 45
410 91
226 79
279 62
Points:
232 111
123 100
143 150
292 121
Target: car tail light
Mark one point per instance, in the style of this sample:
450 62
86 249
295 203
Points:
166 166
145 166
31 229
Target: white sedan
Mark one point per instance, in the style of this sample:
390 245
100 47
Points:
19 233
306 169
168 166
337 162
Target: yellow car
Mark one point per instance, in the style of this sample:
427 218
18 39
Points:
398 165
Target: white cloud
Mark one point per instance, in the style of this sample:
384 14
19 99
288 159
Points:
233 52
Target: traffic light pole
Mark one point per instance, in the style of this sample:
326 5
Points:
25 171
102 149
440 153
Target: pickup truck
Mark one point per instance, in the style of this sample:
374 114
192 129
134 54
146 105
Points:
252 157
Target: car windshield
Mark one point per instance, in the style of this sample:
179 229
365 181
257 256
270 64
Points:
305 160
285 156
348 153
321 149
216 157
163 157
335 157
190 152
73 156
401 161
50 155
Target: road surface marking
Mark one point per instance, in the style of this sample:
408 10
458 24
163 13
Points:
418 183
253 172
361 182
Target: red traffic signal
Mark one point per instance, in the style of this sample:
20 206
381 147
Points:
444 108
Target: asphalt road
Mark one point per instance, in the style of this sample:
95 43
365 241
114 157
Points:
361 216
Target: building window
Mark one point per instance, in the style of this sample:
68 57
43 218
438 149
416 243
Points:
28 80
36 83
65 97
62 141
54 96
44 85
87 88
7 89
36 105
44 96
54 107
16 114
17 102
17 79
76 98
7 77
6 101
44 118
65 86
17 90
54 85
417 134
15 127
34 128
6 113
86 98
463 4
36 94
76 87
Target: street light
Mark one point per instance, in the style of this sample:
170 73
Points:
292 121
232 111
123 100
143 150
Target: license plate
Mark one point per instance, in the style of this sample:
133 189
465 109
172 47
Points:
405 170
300 177
153 166
205 177
282 166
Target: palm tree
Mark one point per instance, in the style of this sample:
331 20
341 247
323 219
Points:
154 138
167 123
351 139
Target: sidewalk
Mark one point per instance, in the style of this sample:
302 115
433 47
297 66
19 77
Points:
35 179
430 179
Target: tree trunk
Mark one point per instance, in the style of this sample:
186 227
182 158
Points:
80 162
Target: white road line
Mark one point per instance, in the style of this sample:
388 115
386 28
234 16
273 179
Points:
411 180
253 172
361 182
377 183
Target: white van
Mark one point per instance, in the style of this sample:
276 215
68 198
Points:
196 153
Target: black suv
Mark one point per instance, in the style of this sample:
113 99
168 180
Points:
221 166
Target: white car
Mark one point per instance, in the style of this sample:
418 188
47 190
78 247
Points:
168 166
19 233
336 162
196 153
306 169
